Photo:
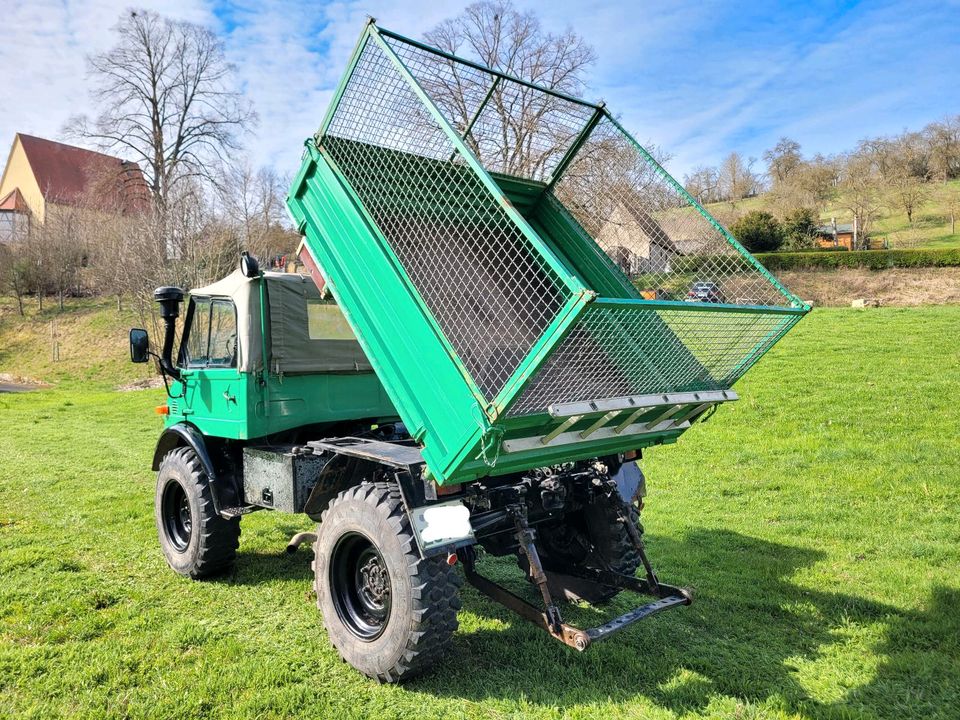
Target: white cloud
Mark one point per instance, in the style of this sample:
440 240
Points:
43 57
290 58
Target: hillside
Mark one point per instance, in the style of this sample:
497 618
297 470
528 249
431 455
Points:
93 349
930 229
91 337
895 286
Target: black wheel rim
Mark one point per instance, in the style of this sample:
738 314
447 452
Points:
177 520
360 586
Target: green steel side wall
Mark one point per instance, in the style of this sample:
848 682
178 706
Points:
389 320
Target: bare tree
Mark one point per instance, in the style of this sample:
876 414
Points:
59 247
523 130
166 99
131 253
703 184
905 191
949 198
782 160
786 198
911 155
110 246
859 194
84 237
943 141
818 178
907 172
16 272
878 153
253 202
737 179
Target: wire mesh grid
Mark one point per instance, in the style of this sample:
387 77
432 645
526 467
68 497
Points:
652 231
622 350
512 128
490 292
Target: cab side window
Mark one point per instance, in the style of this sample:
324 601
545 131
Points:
222 351
212 336
195 352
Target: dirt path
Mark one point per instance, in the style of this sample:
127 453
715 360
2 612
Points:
899 286
14 387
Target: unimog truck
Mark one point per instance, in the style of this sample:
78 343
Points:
498 313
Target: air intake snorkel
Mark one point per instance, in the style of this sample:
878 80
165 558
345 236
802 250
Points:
169 299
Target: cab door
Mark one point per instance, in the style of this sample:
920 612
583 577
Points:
214 397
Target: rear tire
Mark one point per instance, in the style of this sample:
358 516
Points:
195 540
387 611
577 540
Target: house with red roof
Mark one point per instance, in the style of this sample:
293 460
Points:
42 175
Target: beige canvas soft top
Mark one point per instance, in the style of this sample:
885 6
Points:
306 332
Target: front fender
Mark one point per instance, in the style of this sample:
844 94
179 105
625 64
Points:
184 435
179 435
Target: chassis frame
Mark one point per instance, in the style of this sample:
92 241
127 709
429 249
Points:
402 461
350 458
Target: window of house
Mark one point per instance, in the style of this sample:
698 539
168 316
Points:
8 226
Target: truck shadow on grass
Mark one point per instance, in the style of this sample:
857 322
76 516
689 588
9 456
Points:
752 636
271 561
255 568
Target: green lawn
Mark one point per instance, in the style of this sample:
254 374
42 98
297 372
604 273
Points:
817 519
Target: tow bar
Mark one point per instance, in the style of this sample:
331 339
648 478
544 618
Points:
548 618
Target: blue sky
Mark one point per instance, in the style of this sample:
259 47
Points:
699 79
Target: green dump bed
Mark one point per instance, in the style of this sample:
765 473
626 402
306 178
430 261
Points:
530 285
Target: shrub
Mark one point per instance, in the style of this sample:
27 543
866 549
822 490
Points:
758 231
800 229
870 259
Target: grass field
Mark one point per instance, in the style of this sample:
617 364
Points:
816 519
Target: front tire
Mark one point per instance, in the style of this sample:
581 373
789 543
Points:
387 611
195 540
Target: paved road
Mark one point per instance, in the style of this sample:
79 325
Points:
13 387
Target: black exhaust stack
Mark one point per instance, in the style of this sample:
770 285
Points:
169 299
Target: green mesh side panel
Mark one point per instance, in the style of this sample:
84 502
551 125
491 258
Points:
618 350
652 230
490 292
512 129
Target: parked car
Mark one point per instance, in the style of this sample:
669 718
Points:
706 292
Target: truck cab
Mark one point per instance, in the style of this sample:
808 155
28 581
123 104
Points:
266 355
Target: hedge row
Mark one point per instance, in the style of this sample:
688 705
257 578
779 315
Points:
870 259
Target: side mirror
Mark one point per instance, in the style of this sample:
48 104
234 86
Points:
139 345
